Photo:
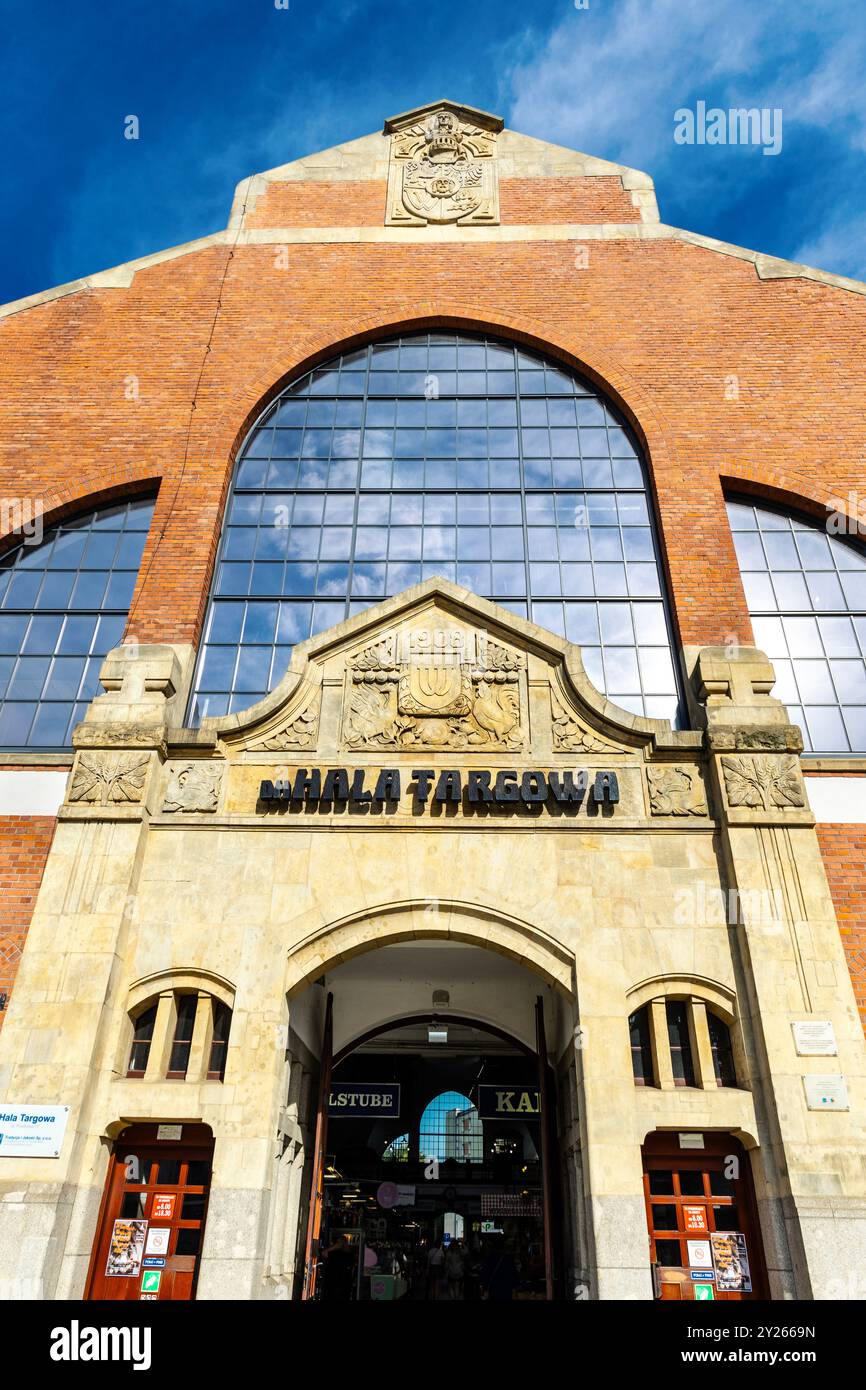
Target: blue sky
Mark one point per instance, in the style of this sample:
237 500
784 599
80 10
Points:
223 88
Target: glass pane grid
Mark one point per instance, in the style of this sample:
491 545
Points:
806 591
528 491
63 606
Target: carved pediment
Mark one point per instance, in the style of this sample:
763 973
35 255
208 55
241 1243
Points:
436 668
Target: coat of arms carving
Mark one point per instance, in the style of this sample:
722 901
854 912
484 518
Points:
442 689
443 168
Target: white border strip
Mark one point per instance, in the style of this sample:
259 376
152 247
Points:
32 793
838 800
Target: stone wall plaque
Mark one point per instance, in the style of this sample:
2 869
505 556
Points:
443 168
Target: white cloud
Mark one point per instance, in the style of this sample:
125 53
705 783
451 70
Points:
609 79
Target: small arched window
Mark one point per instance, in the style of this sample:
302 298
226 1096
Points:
641 1049
451 1128
722 1050
142 1038
397 1151
806 591
186 1032
64 603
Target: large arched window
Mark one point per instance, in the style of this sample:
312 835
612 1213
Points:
806 591
438 455
64 603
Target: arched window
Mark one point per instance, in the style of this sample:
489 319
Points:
64 603
451 1128
722 1050
397 1151
641 1047
428 455
806 591
189 1028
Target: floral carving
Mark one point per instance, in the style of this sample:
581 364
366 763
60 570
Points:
109 779
570 736
676 791
302 732
766 782
195 787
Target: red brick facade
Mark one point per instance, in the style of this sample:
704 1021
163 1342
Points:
24 845
728 378
844 850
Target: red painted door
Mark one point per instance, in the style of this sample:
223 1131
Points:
152 1221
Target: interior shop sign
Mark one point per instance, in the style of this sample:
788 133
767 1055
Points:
362 786
353 1100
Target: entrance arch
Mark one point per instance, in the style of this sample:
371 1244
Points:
419 919
496 989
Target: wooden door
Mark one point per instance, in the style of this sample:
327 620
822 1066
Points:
152 1219
690 1196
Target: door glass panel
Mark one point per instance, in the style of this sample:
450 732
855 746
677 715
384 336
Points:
198 1172
193 1206
727 1218
664 1217
188 1240
668 1252
721 1186
692 1184
169 1171
661 1184
133 1204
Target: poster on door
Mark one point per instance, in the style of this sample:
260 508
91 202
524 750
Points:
126 1249
157 1240
731 1261
695 1218
163 1206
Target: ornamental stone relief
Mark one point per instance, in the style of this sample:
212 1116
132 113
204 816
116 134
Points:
570 736
767 782
301 732
445 688
193 787
443 169
676 791
107 779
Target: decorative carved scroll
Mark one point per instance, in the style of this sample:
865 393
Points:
570 736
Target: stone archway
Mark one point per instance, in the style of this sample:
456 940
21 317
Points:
423 920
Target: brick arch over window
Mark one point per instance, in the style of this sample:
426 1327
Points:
93 490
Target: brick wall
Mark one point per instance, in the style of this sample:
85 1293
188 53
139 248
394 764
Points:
600 199
844 851
314 203
24 845
663 325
